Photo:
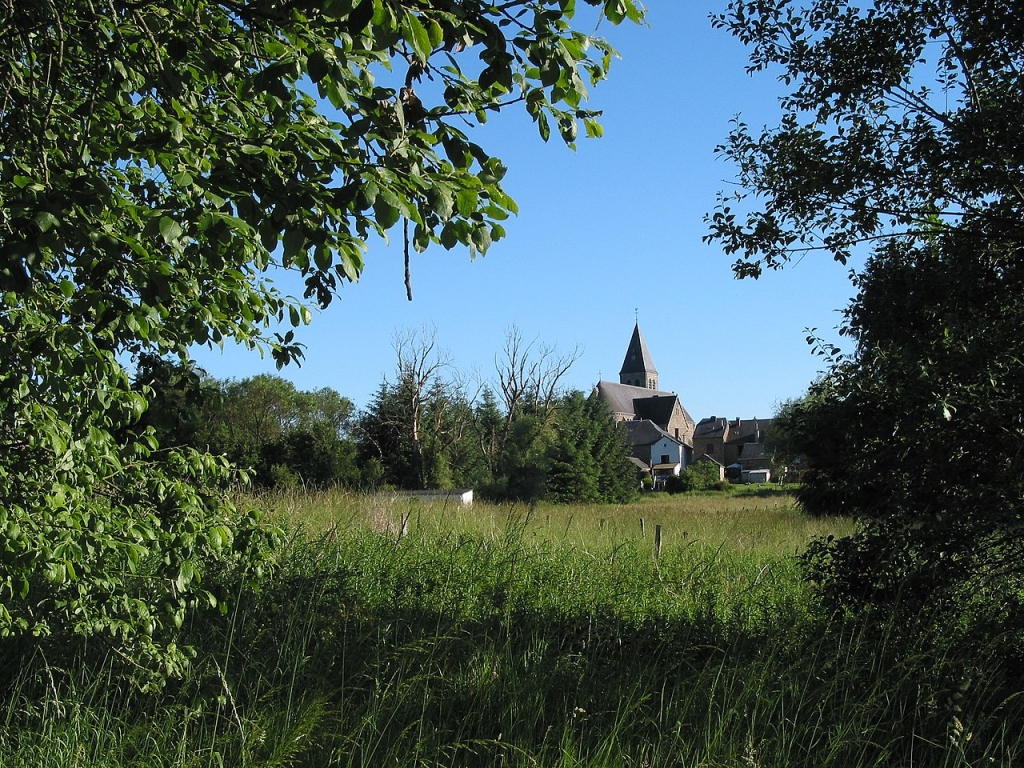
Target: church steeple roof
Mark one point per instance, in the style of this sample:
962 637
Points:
638 361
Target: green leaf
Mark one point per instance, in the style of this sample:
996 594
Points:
543 127
294 244
435 33
387 215
482 237
416 35
45 221
594 129
170 230
466 201
317 66
441 201
322 257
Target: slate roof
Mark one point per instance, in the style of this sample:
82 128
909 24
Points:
711 427
752 452
708 459
620 397
748 430
644 432
658 409
638 357
639 403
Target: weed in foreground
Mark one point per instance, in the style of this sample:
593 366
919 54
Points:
531 641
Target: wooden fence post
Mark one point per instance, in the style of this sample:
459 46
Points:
643 533
657 541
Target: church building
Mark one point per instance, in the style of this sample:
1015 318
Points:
658 428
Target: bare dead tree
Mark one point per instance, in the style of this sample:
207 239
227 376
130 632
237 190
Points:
419 367
529 376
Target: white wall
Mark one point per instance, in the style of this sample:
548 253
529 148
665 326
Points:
669 447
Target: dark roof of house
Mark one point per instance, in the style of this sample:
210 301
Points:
748 430
643 432
638 357
711 427
657 408
639 403
620 397
752 452
708 459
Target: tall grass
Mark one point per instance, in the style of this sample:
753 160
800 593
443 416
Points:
421 635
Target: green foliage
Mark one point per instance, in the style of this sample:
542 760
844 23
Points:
902 130
703 476
523 644
938 480
588 460
282 434
181 401
523 462
434 452
157 162
902 121
784 444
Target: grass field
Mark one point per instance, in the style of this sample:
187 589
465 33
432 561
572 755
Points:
399 633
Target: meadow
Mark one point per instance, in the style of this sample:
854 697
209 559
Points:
402 633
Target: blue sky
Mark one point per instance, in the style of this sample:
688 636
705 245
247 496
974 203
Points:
605 234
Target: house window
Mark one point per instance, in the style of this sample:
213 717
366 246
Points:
664 458
710 449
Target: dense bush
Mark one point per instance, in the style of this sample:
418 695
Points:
703 476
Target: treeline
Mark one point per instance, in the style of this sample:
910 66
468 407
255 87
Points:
522 438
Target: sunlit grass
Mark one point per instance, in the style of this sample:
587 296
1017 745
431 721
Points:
406 634
759 520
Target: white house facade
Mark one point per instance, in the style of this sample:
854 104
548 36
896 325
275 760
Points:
668 457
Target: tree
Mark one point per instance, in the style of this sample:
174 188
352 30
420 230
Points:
617 475
488 427
419 428
572 470
181 399
313 456
395 427
938 479
587 458
255 412
529 377
157 161
515 438
785 444
902 123
702 476
326 407
901 135
284 435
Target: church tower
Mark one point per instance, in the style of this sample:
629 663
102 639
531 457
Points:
638 369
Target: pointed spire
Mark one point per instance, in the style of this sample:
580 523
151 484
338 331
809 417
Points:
638 367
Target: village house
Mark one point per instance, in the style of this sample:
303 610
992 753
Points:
663 437
658 428
736 445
